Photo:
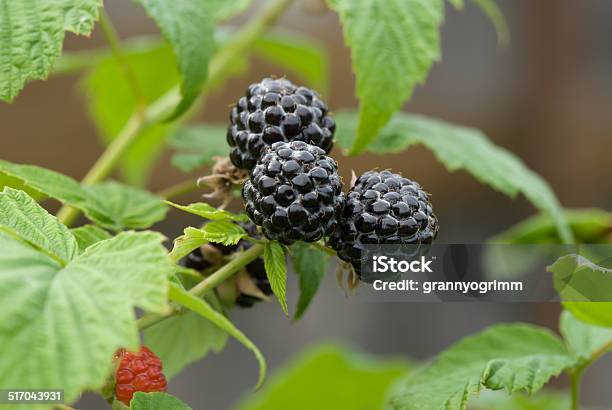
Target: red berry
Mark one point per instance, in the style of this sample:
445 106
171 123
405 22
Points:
140 371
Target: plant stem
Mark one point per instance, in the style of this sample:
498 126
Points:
178 189
110 33
164 106
575 378
241 260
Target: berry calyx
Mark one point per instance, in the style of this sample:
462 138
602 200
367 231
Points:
138 372
294 193
383 208
276 110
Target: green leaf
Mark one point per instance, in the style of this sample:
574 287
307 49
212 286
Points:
310 264
156 401
198 336
61 326
298 53
191 239
328 377
393 45
512 357
276 269
224 232
189 26
210 212
467 149
202 308
492 11
585 341
458 4
87 235
22 217
588 226
197 145
154 68
585 288
229 9
124 206
32 36
546 400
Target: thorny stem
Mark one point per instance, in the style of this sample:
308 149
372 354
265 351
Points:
576 374
236 264
164 106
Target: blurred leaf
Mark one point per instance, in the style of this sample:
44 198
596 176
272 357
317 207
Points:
458 4
17 183
328 377
588 225
393 45
156 401
111 103
464 148
310 264
276 269
296 53
513 357
68 321
32 36
500 400
124 206
584 340
229 9
491 9
207 211
189 26
196 337
585 288
22 217
202 308
88 235
197 145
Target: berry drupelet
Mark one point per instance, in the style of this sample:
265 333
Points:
294 193
383 208
141 371
276 110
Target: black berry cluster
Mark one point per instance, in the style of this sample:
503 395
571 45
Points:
197 260
383 208
294 193
275 110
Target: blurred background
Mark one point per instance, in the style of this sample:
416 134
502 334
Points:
547 97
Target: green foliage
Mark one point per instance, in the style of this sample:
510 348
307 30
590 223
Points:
463 148
210 212
110 107
22 217
156 401
585 288
191 239
108 204
588 226
87 235
68 321
393 45
32 36
276 269
310 264
181 23
203 309
197 336
224 232
197 145
584 340
511 357
328 377
546 400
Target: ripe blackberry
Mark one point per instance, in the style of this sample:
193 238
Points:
294 193
276 110
383 208
141 371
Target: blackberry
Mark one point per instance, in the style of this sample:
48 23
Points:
276 110
197 260
294 193
383 208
